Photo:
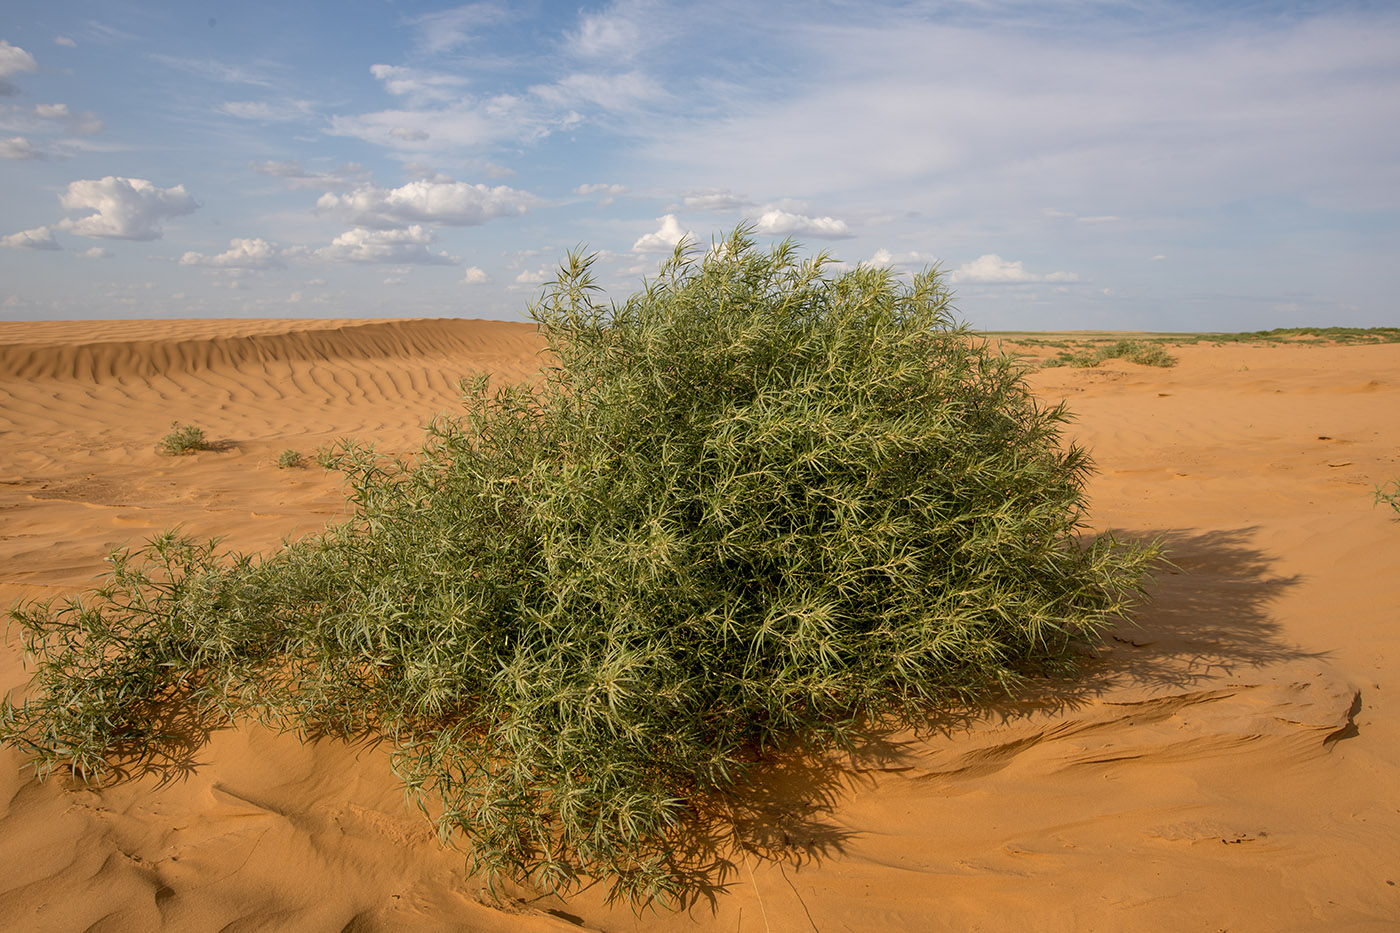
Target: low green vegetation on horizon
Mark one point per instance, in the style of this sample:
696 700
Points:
752 510
1084 351
1305 335
1280 336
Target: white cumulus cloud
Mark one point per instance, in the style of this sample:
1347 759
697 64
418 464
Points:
475 276
884 258
664 239
360 245
535 277
253 253
991 269
95 252
605 193
777 222
437 201
81 124
126 208
13 60
17 147
38 238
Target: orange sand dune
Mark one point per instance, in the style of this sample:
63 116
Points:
1231 762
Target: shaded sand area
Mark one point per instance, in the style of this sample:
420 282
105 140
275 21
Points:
1231 762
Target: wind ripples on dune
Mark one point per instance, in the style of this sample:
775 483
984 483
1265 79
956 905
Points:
1220 748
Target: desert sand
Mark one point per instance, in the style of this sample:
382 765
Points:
1230 762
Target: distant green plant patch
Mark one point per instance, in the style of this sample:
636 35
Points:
1150 350
1308 335
1144 352
182 439
751 509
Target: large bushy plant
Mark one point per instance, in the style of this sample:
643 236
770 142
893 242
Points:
752 507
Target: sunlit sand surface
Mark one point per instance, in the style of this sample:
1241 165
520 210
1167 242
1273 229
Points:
1231 762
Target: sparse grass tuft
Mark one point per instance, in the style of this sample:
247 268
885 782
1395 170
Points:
290 459
182 439
1389 493
750 509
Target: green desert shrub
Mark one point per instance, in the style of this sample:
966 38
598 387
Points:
290 459
182 439
753 508
1144 353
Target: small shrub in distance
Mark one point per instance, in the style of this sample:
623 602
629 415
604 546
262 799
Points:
182 439
1144 353
290 459
752 508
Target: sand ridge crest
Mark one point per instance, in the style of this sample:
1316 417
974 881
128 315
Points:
124 356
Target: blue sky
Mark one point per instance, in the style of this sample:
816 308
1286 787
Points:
1127 165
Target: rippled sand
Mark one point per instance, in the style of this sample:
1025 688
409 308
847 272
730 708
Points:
1232 762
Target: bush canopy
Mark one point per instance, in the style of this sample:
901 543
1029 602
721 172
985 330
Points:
753 508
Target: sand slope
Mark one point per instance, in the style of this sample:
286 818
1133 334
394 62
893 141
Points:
1231 763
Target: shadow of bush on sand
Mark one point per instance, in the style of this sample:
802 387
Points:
1207 619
